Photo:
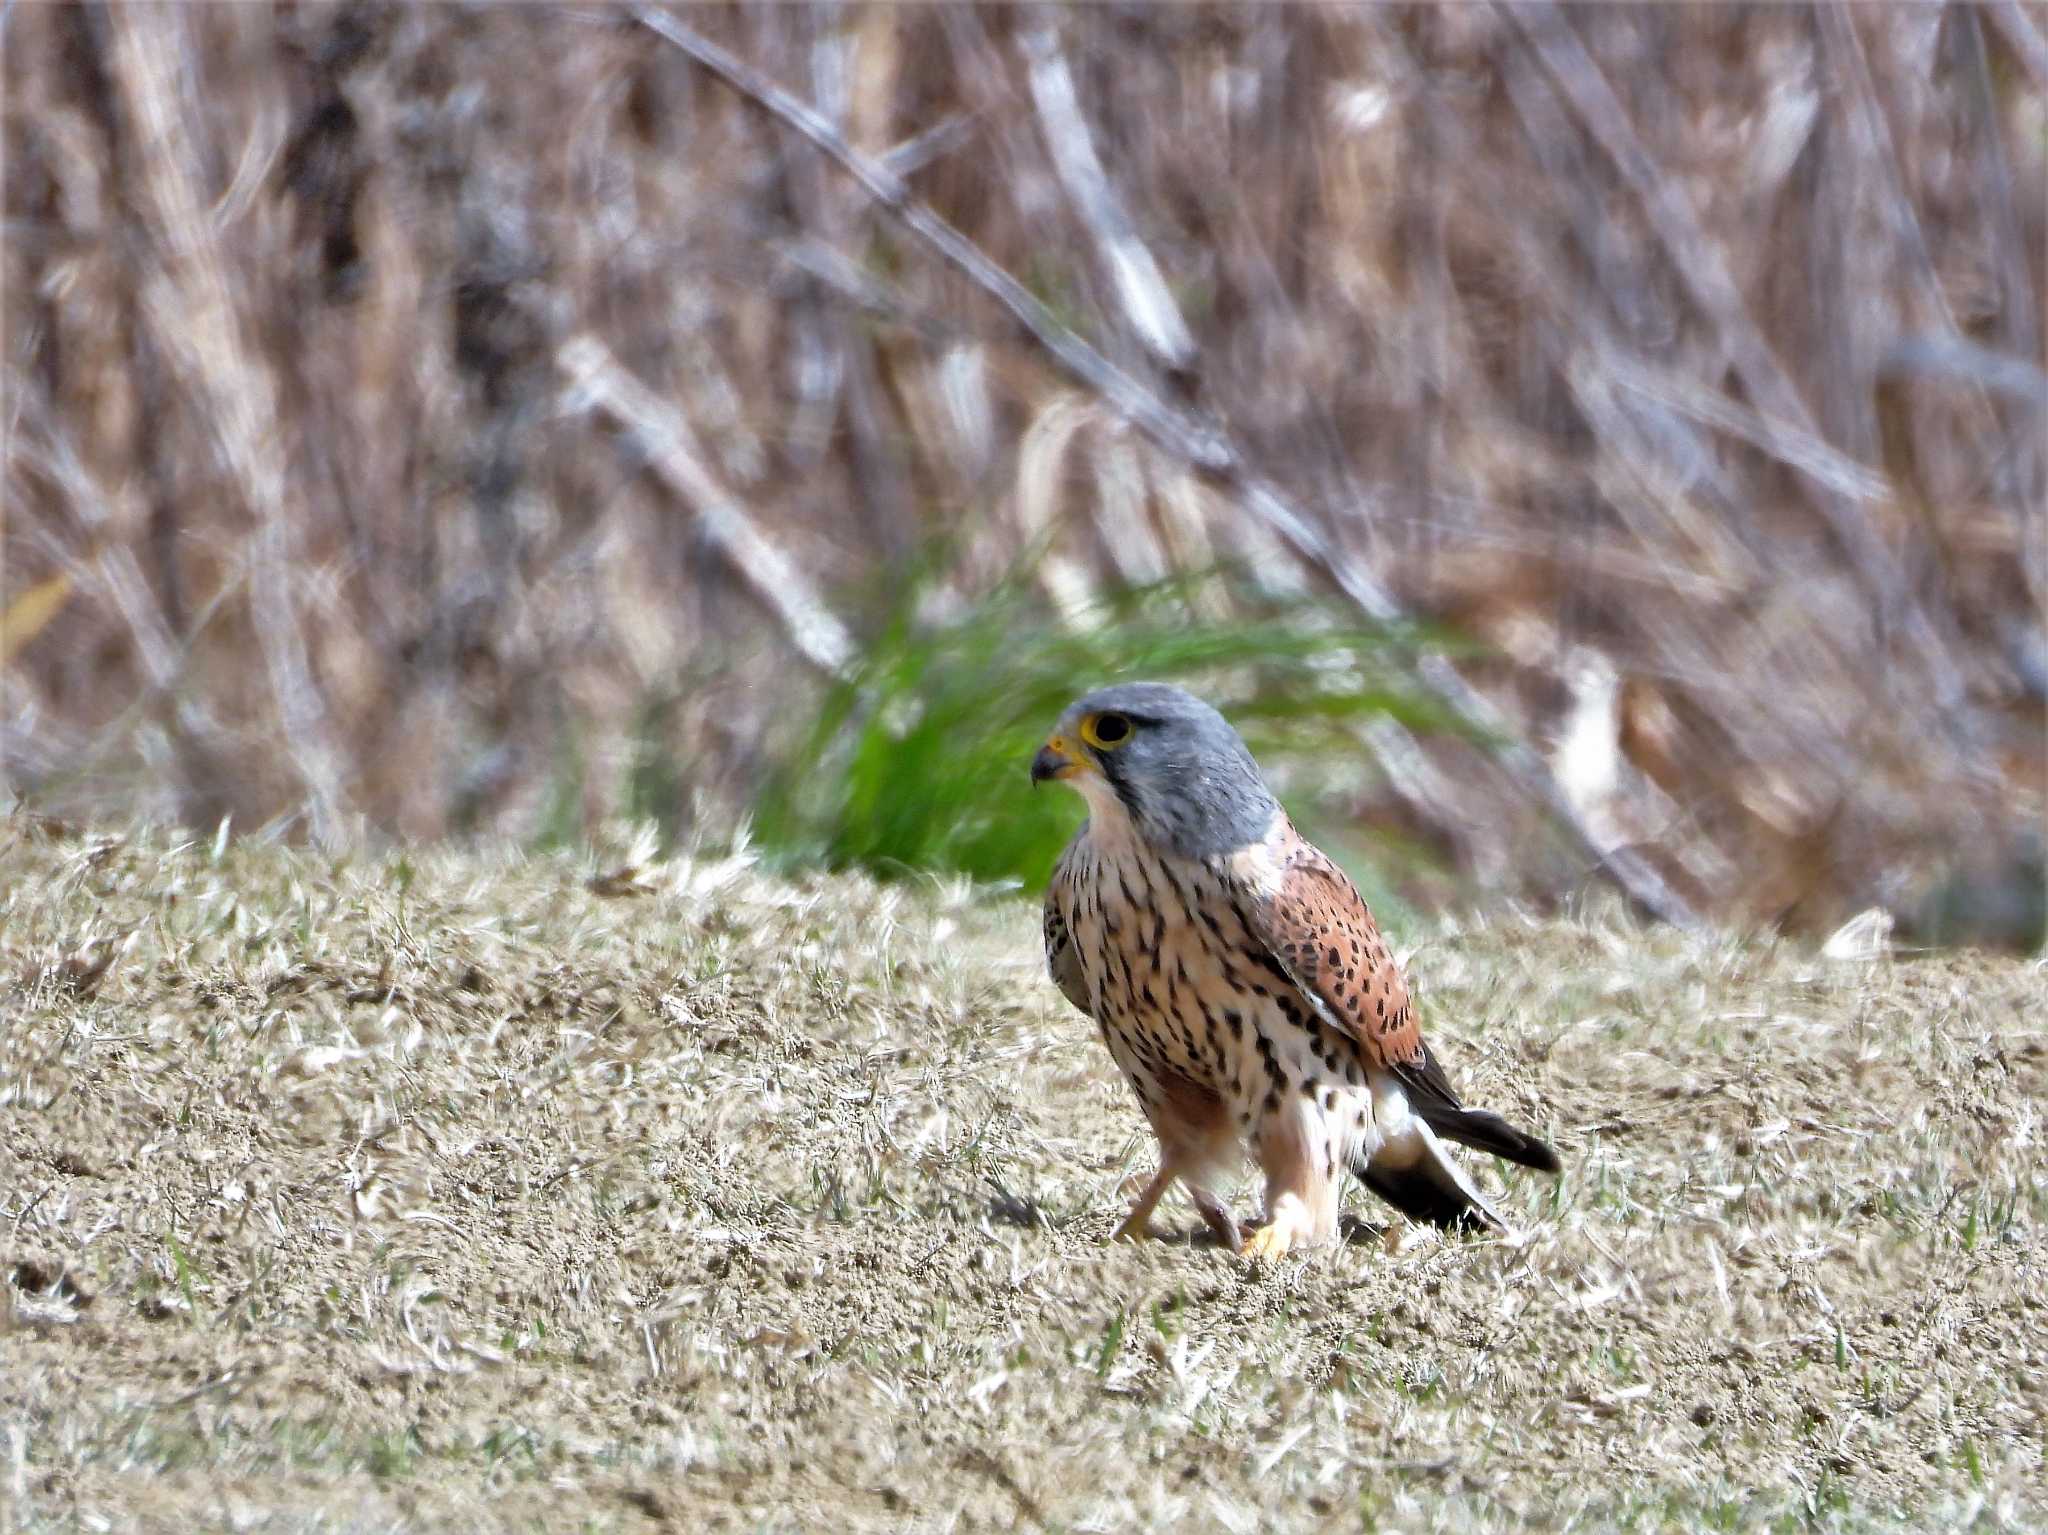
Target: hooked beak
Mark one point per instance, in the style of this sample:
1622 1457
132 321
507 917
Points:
1055 760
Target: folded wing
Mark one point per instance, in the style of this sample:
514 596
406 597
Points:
1317 927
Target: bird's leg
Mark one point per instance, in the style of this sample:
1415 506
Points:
1293 1185
1287 1222
1136 1226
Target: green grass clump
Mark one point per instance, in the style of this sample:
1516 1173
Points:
918 759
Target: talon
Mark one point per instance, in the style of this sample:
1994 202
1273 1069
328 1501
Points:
1270 1241
1136 1228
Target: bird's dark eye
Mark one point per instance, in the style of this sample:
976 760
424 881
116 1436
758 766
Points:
1106 730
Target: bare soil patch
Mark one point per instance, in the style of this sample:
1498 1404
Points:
443 1191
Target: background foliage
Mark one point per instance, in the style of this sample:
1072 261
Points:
917 759
442 419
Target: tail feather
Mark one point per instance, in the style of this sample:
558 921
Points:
1484 1130
1418 1177
1423 1199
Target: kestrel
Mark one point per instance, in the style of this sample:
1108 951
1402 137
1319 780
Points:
1241 985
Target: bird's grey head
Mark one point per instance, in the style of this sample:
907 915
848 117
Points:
1161 757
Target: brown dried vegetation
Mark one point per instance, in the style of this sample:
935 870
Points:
1689 355
448 1193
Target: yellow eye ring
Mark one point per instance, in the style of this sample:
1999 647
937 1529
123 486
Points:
1107 731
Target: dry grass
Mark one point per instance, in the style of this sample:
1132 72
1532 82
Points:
1698 345
447 1192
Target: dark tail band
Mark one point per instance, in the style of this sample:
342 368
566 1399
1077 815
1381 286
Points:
1425 1194
1484 1131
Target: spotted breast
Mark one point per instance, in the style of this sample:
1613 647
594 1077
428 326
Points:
1241 985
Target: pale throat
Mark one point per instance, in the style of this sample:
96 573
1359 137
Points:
1110 826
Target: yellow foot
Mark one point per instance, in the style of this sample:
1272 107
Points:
1270 1241
1136 1228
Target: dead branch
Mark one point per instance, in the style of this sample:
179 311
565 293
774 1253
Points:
1700 266
596 378
1149 307
1698 262
2021 35
2020 307
1811 455
1882 153
1957 357
919 150
1201 443
193 314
